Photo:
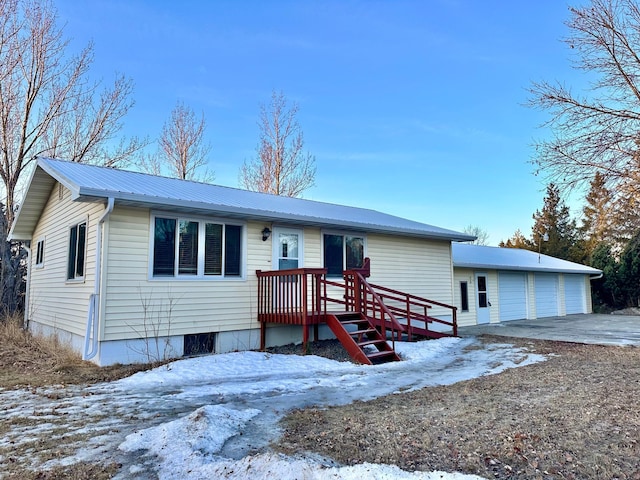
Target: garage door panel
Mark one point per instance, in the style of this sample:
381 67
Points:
574 294
512 296
546 295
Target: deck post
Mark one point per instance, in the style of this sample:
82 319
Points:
455 322
305 311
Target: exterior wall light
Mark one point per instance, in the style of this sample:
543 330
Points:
266 233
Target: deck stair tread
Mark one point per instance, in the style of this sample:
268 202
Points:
366 335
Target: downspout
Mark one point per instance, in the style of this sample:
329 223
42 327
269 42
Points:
25 324
600 275
91 335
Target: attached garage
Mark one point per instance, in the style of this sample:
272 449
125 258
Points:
512 295
522 284
574 294
546 287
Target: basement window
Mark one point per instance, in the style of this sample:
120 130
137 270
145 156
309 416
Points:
199 344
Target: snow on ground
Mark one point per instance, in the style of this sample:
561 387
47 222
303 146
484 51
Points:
214 416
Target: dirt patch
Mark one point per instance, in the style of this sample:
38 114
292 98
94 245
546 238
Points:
574 416
332 349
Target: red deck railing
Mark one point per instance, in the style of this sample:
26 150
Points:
291 297
304 296
414 311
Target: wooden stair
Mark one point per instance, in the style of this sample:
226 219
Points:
356 332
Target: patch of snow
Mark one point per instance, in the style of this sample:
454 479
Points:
214 416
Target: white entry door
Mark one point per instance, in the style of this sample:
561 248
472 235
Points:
482 298
287 248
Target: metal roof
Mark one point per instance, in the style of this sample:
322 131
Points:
93 183
497 258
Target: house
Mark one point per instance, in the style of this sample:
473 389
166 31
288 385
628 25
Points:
494 284
130 267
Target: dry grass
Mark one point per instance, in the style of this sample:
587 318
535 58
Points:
31 360
34 361
574 416
79 471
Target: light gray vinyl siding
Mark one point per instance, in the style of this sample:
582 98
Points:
512 295
54 301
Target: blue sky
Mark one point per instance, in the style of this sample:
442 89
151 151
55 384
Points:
414 108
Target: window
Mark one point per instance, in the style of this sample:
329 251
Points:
40 253
188 248
77 246
342 252
185 247
199 344
464 296
482 291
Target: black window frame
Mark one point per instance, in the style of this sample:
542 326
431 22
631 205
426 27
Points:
464 296
330 248
77 252
39 257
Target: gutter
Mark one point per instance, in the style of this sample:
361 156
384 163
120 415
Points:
93 316
25 324
596 277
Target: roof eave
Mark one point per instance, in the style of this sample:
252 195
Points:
22 228
590 271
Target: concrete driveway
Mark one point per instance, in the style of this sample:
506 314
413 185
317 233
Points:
594 328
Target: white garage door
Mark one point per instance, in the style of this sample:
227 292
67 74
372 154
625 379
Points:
546 295
512 297
574 294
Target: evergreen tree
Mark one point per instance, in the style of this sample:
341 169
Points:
606 290
554 232
626 214
598 215
518 240
629 272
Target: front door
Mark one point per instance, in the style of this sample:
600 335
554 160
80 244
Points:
482 298
287 248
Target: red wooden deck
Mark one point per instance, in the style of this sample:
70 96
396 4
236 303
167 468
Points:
306 297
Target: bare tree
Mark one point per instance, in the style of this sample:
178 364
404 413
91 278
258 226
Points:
596 130
482 236
48 107
281 167
181 146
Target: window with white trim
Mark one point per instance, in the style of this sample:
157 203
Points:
40 253
342 252
77 251
196 248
